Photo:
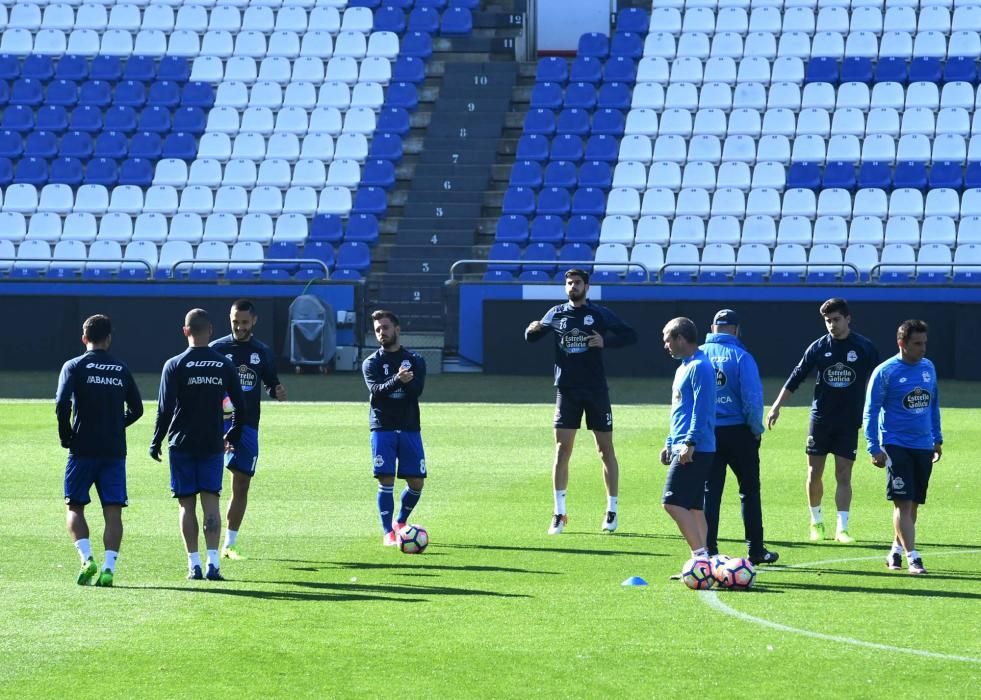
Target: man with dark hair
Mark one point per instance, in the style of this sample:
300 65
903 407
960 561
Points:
189 413
256 366
582 329
843 361
738 431
93 390
689 449
902 427
395 378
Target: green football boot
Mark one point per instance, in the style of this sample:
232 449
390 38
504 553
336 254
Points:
87 572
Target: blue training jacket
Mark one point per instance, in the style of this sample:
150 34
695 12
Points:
738 387
902 406
693 404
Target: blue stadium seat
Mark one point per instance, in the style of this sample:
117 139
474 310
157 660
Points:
175 68
111 144
435 4
370 200
875 174
4 93
602 147
821 70
573 121
585 69
389 19
633 19
577 254
11 144
583 229
546 96
581 95
972 175
535 276
806 175
456 21
609 121
628 45
141 68
519 200
614 96
530 147
67 171
122 119
129 93
547 228
554 200
240 274
608 277
378 173
469 4
273 274
370 4
323 251
136 171
404 95
512 228
947 174
552 70
392 120
856 69
566 147
959 68
205 274
504 251
191 120
72 67
526 173
423 19
409 69
362 228
96 93
164 93
18 118
102 171
910 173
401 4
63 93
925 68
593 44
596 173
6 172
385 147
27 91
891 69
52 118
145 144
348 275
839 174
31 171
589 201
539 121
41 144
155 119
37 67
9 67
354 256
76 144
181 145
620 69
326 227
198 94
280 250
539 251
108 68
560 173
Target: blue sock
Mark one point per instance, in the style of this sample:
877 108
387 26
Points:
408 501
386 504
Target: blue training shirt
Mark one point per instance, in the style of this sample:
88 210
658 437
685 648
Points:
902 406
738 387
693 404
256 365
394 405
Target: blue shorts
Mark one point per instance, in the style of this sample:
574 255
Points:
246 454
686 483
191 474
404 447
108 475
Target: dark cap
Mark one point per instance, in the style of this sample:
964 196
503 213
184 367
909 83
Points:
726 317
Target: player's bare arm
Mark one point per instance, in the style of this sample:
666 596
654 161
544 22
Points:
774 415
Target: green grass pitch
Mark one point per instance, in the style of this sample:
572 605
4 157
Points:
495 608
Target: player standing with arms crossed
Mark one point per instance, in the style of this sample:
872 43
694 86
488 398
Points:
395 377
189 413
843 361
93 390
256 366
582 329
902 427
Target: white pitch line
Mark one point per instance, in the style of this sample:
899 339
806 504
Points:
711 598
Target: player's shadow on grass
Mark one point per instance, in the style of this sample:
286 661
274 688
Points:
401 590
290 596
935 574
866 590
473 568
555 550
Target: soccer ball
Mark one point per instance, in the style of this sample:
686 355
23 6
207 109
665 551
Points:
413 539
718 563
227 407
697 574
738 574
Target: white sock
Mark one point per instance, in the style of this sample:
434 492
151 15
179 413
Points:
816 516
84 548
842 520
193 559
911 555
700 553
213 558
230 536
611 504
560 502
896 547
110 560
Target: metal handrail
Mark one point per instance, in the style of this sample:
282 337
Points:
771 265
228 263
52 261
563 263
916 265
